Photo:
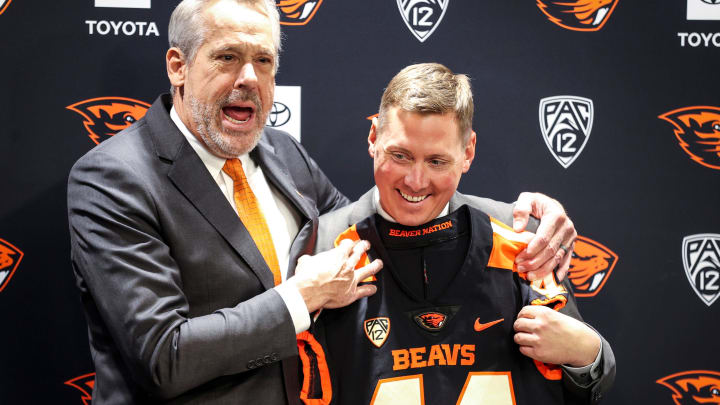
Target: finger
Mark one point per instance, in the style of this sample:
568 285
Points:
529 311
564 265
368 270
528 351
526 339
365 290
344 247
525 325
521 211
358 250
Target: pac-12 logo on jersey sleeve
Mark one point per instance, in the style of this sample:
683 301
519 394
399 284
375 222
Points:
297 12
590 266
422 17
566 122
694 387
10 257
578 15
377 330
85 384
698 131
106 116
701 259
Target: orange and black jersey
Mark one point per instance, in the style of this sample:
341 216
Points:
439 328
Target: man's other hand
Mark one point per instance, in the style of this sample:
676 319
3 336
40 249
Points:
330 280
551 337
554 239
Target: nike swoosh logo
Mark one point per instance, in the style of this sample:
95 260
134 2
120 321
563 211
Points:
479 327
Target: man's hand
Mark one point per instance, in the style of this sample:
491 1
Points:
554 240
551 337
329 279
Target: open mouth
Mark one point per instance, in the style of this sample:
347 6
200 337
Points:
238 114
412 199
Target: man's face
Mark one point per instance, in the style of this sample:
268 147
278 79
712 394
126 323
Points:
418 162
228 89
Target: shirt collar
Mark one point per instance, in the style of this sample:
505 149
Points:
387 217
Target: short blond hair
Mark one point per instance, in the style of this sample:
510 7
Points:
430 88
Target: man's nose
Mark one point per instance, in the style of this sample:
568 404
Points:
415 178
247 77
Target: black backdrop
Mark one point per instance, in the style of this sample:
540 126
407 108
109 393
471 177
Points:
633 192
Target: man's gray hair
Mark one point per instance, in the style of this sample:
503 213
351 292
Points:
187 29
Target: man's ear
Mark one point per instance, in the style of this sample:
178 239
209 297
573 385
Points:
176 67
372 137
469 151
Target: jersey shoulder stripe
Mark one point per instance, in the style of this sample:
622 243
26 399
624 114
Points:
506 245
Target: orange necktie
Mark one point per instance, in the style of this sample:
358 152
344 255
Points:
251 216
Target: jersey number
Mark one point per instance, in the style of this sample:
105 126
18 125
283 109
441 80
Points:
480 388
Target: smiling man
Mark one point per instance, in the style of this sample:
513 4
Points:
450 301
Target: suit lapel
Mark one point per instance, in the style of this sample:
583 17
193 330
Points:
363 208
190 176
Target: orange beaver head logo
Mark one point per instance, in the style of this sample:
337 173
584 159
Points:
106 116
590 266
297 12
85 384
432 321
698 131
10 257
694 387
578 15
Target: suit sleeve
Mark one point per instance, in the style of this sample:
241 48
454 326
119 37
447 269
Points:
140 313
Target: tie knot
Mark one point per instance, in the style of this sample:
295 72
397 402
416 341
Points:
233 168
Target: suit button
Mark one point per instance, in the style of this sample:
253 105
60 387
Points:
251 365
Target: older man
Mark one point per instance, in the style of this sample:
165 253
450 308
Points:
185 228
450 300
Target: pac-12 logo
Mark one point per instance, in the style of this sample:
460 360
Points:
701 259
590 266
377 330
10 257
578 15
693 387
697 129
422 17
4 5
566 122
297 12
106 116
85 384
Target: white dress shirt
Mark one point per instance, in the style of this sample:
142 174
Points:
282 219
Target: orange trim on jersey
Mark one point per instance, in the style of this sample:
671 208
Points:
472 373
418 377
549 371
351 234
306 338
505 249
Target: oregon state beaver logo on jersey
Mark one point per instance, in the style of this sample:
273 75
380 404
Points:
85 384
578 15
10 257
698 131
590 266
297 12
106 116
694 387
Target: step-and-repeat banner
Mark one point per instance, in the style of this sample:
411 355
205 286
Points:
610 106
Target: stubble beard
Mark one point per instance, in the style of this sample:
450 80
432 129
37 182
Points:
225 142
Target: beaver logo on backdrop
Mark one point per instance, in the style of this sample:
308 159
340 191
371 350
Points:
703 9
106 116
590 266
693 387
701 259
297 12
578 15
10 257
85 384
566 122
422 17
4 5
697 129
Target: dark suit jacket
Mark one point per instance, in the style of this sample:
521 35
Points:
332 224
178 299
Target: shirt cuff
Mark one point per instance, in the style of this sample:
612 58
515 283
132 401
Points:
584 376
295 305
